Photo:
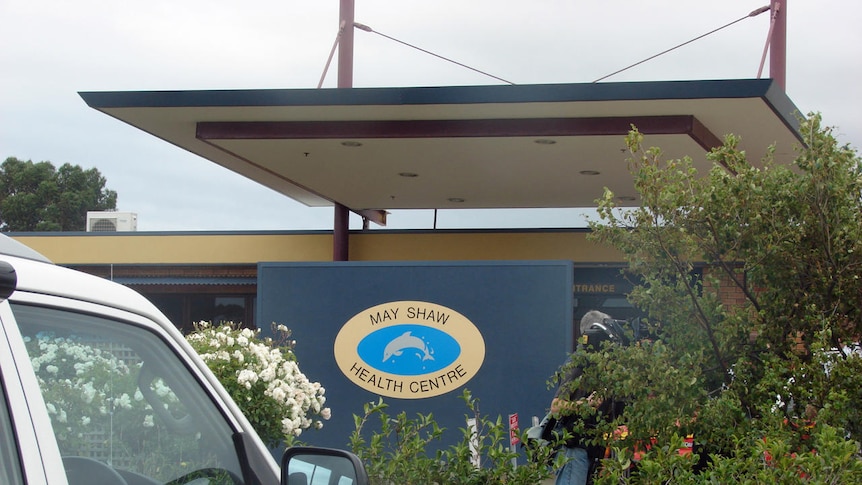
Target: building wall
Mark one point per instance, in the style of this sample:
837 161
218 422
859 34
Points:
728 289
163 265
254 247
178 248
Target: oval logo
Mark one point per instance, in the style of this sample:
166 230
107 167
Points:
409 349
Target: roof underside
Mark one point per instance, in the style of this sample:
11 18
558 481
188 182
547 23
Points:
530 146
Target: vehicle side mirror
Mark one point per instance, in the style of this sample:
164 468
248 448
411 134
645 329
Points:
301 465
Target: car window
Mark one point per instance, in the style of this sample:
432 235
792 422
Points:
10 465
122 403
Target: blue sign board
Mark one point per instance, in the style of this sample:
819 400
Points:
417 334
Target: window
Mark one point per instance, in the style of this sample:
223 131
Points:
184 310
121 402
171 306
219 309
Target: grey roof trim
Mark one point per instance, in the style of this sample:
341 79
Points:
143 280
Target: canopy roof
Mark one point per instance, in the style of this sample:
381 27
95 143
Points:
503 146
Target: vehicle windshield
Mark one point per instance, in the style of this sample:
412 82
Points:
123 404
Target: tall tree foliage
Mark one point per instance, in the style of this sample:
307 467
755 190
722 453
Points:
39 197
763 381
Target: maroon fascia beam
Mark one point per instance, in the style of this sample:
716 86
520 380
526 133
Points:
317 130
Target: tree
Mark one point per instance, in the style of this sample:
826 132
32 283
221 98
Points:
767 385
38 197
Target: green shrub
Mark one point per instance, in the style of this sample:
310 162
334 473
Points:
397 452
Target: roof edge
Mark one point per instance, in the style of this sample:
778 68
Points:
522 93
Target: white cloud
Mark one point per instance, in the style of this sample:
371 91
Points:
53 49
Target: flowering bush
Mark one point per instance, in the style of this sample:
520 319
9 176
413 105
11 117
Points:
262 376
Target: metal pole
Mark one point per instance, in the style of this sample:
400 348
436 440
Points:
345 45
341 222
778 43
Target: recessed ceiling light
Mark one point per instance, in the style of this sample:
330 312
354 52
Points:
544 141
589 172
350 143
408 174
457 200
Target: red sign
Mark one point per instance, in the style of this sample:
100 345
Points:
513 430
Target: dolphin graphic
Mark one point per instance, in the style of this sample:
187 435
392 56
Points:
406 341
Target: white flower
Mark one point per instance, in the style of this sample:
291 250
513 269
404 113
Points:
289 399
88 392
278 394
247 375
123 402
82 368
287 426
161 389
267 374
148 421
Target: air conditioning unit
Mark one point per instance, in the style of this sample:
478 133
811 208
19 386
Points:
111 221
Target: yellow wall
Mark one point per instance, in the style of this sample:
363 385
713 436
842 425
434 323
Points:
245 247
479 246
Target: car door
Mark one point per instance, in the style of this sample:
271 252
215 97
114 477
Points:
25 456
111 396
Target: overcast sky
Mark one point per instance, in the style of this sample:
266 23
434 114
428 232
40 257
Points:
52 49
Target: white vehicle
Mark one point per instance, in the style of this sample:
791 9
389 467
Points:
98 387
